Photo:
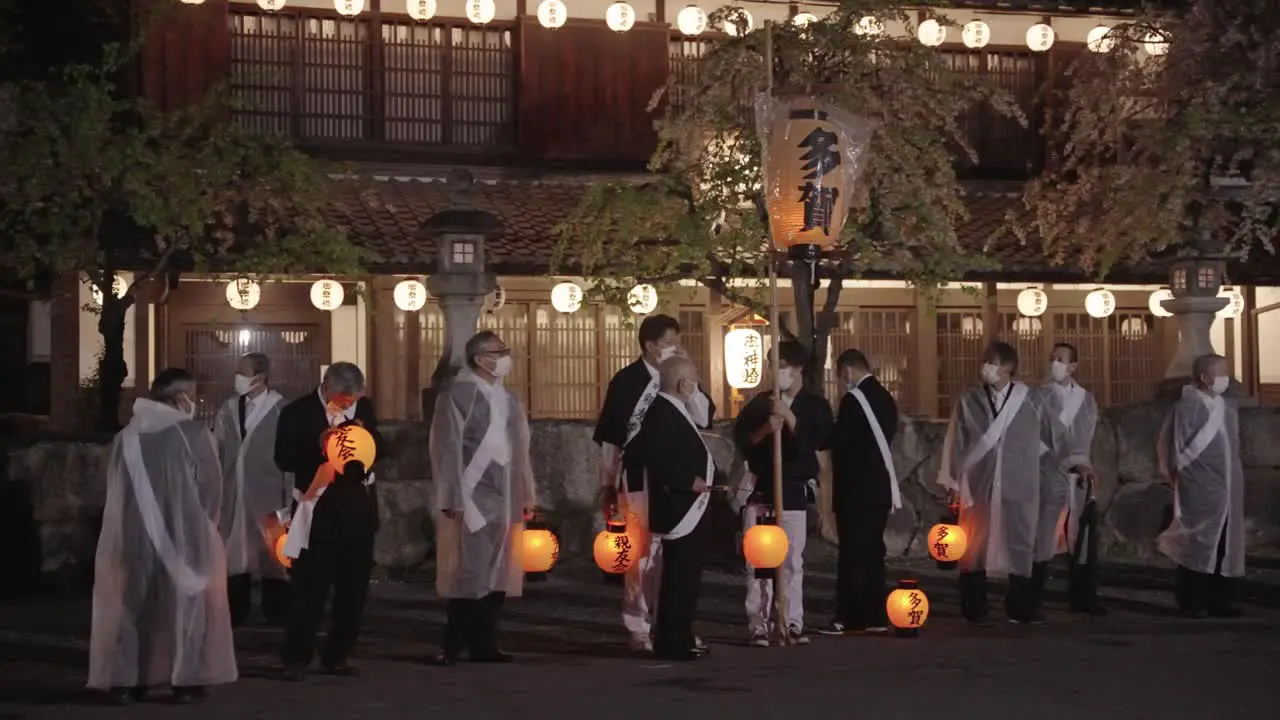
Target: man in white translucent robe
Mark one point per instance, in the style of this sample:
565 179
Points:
1200 455
1068 484
160 614
991 457
253 488
484 492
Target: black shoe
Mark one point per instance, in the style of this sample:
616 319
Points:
1034 619
294 673
184 695
125 696
677 655
443 660
340 669
837 628
493 656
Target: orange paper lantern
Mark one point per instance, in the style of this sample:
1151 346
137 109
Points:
947 542
350 443
281 558
539 550
806 182
765 546
615 549
907 607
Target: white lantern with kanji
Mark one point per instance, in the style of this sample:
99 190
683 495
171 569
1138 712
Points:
1155 303
243 294
1040 37
349 8
421 10
1100 303
1235 303
192 2
566 297
410 295
1099 40
481 12
271 5
643 299
117 289
931 33
620 17
327 295
692 20
738 22
1156 44
552 14
975 34
868 25
1032 302
743 358
804 18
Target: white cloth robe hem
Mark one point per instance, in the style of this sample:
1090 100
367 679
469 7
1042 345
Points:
245 539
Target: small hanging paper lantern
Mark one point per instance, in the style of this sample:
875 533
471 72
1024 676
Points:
1098 40
931 33
1040 37
620 17
278 551
868 25
243 294
975 34
692 20
1235 303
349 8
907 607
738 22
192 2
1155 303
1156 44
539 550
271 5
971 327
350 443
804 18
615 549
1100 303
947 543
643 299
327 295
481 12
1032 302
765 546
744 358
552 14
117 289
566 297
421 10
410 295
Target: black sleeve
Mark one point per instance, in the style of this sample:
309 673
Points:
711 409
821 421
665 467
368 417
287 456
612 426
754 414
888 416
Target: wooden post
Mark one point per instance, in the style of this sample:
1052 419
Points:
925 368
1249 342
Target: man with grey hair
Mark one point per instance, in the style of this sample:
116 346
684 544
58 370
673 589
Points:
160 613
1200 455
332 528
254 488
484 493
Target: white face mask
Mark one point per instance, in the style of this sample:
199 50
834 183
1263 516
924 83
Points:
990 374
786 378
1058 371
243 384
1220 384
666 352
502 366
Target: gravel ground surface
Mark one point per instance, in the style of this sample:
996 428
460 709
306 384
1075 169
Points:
1139 661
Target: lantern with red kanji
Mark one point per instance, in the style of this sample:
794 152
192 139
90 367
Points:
350 443
616 549
947 543
907 608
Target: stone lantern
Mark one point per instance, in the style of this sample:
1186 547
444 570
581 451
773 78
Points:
1194 281
461 281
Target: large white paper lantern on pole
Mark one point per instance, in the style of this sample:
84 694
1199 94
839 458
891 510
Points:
931 33
1100 303
566 297
1040 37
421 10
243 294
410 295
620 17
1098 40
692 20
327 294
743 358
271 5
1032 302
643 299
1235 303
117 289
481 12
552 14
349 8
1155 303
975 34
739 23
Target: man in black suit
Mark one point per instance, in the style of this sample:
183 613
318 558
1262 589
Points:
865 491
679 472
336 526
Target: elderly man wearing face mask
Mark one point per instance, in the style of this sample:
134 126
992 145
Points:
160 613
805 420
254 487
333 523
1200 455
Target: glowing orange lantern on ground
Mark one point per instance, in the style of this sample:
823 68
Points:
350 443
615 549
278 550
765 546
907 607
539 550
947 543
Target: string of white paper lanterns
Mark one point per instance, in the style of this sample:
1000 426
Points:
620 17
243 294
409 295
566 297
1155 303
643 299
552 14
692 20
975 34
1100 303
1032 302
327 295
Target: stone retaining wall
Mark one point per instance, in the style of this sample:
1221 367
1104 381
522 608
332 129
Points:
61 485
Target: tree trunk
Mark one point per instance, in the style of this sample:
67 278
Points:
114 369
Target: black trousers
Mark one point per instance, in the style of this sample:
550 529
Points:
860 575
1207 592
275 599
339 565
682 563
472 625
1022 602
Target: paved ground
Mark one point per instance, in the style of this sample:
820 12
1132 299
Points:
1138 662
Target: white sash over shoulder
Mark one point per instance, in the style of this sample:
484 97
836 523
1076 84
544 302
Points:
886 455
189 582
997 555
299 537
